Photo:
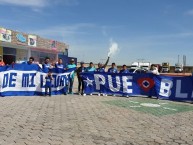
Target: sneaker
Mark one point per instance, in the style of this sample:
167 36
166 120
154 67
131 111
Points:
91 94
114 95
84 94
127 96
99 94
71 93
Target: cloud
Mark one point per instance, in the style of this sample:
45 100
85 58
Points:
38 3
190 12
28 3
65 31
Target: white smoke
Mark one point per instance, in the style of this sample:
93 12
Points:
113 49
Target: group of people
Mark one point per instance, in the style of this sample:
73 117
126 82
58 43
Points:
47 67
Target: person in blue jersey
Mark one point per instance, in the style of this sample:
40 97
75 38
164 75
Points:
91 67
124 69
30 61
59 64
71 81
48 85
46 66
113 68
81 69
101 68
60 69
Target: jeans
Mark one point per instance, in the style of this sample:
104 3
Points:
80 85
46 91
71 82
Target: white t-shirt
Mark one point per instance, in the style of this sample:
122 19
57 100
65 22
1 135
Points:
155 71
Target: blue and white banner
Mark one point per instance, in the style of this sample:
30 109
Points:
28 80
174 88
163 87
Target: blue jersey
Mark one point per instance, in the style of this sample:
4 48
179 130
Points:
48 81
71 66
90 69
112 70
100 69
61 66
46 67
124 71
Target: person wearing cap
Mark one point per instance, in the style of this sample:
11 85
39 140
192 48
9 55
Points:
1 61
81 69
71 81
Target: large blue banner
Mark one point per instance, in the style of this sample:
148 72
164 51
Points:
29 80
163 87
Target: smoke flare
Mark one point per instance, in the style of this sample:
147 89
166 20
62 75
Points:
113 48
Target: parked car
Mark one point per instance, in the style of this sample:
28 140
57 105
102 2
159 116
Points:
137 70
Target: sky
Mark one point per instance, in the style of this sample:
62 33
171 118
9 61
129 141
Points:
153 31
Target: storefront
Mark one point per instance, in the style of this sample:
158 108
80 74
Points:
18 47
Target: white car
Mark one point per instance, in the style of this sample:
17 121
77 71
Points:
137 70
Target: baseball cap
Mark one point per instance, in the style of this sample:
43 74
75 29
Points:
72 59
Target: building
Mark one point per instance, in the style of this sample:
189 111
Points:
18 46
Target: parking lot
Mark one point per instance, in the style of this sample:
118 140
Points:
94 120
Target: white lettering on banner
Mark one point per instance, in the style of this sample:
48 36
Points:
126 84
15 80
178 90
99 80
118 83
165 88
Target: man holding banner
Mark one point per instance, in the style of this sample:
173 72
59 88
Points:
101 68
71 81
113 68
80 70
